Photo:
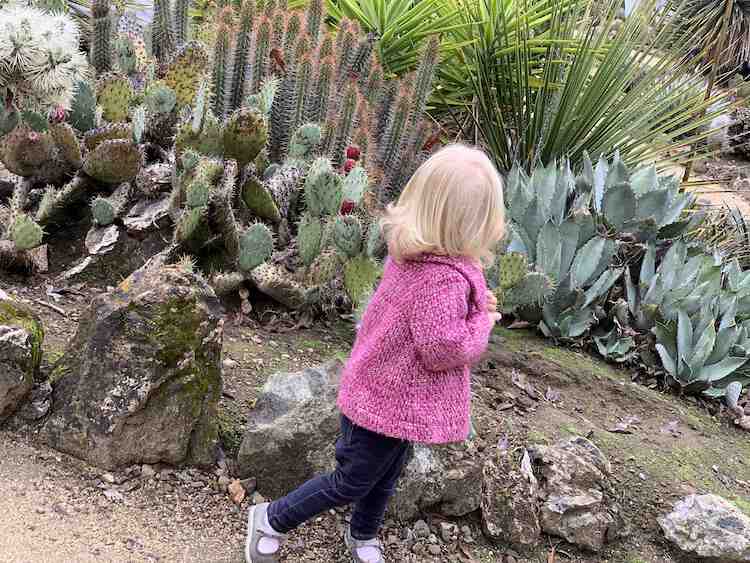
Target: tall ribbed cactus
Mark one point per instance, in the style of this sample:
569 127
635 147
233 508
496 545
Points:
360 60
221 60
163 31
282 113
259 62
314 18
344 117
101 47
425 75
396 128
182 21
318 102
344 47
293 25
303 87
241 54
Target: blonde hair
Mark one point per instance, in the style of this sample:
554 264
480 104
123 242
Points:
452 205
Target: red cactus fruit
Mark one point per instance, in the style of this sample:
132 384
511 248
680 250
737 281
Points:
56 115
353 152
349 164
347 207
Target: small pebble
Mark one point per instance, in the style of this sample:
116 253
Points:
434 549
421 529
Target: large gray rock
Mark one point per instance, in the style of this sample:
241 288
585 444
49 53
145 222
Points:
290 437
21 338
142 378
708 528
291 430
578 502
510 512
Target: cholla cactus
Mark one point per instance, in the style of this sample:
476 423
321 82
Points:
40 59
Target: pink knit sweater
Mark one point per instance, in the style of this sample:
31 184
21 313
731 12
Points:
408 374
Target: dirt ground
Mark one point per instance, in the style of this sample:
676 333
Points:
57 509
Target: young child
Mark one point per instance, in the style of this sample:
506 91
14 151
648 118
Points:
408 376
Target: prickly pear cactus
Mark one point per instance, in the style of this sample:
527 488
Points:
185 72
323 191
114 94
109 132
160 98
347 235
513 267
305 142
258 199
360 276
25 232
256 246
309 238
114 162
244 135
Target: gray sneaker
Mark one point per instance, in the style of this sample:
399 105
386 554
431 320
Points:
257 529
354 545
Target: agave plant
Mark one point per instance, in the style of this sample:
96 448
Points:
584 85
698 356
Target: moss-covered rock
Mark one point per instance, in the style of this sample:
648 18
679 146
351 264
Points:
141 381
21 337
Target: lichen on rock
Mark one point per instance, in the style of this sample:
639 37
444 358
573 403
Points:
142 377
21 337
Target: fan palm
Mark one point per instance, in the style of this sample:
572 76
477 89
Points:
587 83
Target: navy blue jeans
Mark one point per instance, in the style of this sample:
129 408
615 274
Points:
368 466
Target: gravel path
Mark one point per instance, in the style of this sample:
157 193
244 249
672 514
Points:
54 511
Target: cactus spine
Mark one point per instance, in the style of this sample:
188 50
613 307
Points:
282 112
241 54
303 83
256 246
106 209
163 33
425 75
338 138
101 49
318 102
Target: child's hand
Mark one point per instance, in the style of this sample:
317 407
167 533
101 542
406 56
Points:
495 317
491 306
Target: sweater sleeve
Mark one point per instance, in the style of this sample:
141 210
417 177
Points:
445 334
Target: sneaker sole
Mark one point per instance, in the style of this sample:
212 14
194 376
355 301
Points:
250 524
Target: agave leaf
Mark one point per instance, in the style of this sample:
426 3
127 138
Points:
575 322
666 360
728 313
733 273
569 236
517 239
511 185
684 336
600 179
720 370
586 227
564 186
585 182
521 196
725 340
679 204
548 250
533 220
586 261
543 183
602 285
702 349
648 267
644 180
619 205
610 247
632 293
618 172
652 205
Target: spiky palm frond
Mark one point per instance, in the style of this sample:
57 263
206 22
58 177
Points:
586 83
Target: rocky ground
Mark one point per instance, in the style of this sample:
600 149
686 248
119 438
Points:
526 392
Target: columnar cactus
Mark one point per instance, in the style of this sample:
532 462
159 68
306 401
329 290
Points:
182 21
101 47
221 69
163 41
241 55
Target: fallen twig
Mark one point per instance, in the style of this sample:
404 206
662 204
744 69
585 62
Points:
55 308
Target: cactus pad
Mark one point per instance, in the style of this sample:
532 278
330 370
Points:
160 98
355 185
377 247
185 71
258 200
244 135
109 132
305 141
67 143
347 235
9 118
22 150
309 237
256 246
513 268
191 227
114 162
324 268
360 276
25 232
323 189
197 193
83 108
208 140
114 94
103 211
